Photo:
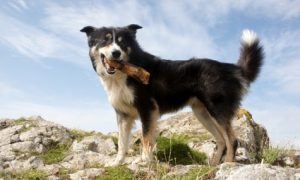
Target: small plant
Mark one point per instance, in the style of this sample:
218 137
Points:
203 172
55 153
79 134
176 151
272 154
63 173
20 121
116 173
32 174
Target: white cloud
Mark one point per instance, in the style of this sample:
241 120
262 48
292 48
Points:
159 36
35 43
18 5
6 89
282 63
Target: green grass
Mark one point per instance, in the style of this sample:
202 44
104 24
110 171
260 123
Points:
176 151
63 173
204 172
20 121
79 134
55 154
25 175
116 173
272 154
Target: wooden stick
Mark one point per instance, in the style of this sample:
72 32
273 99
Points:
131 70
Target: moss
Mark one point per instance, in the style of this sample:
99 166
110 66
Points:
204 172
20 121
176 151
32 174
246 113
79 134
55 153
271 155
116 173
63 174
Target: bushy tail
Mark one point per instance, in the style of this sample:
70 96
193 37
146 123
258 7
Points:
251 57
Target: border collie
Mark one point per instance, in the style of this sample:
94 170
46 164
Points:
212 89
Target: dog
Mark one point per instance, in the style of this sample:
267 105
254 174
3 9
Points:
212 89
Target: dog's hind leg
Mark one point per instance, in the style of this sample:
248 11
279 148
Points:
212 126
125 123
230 139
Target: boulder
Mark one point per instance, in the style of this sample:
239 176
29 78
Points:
232 171
86 174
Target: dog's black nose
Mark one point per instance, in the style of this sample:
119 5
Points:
116 54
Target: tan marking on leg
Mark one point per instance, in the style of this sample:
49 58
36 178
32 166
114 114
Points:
229 139
148 140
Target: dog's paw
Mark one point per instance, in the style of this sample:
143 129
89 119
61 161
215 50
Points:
139 161
147 157
118 161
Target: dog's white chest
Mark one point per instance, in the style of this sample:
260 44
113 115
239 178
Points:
120 96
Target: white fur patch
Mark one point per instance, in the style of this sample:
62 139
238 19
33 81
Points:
120 96
249 37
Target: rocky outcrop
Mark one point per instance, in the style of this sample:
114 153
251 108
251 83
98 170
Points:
45 149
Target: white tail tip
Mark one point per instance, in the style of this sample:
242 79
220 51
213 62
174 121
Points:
249 37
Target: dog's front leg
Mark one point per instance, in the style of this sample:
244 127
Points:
149 125
125 123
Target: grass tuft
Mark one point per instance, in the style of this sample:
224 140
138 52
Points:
204 172
20 121
63 173
79 134
32 174
176 151
116 173
55 153
272 154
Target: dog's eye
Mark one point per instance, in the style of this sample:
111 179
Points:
120 39
107 37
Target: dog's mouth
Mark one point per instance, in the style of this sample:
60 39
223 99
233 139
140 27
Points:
109 69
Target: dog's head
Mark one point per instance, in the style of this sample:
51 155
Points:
112 43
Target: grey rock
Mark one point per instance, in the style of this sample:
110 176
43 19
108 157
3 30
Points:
80 160
22 165
7 133
95 143
180 170
87 174
52 177
231 171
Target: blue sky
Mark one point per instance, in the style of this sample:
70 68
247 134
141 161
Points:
45 69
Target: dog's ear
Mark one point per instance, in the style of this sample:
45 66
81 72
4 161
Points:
134 27
88 30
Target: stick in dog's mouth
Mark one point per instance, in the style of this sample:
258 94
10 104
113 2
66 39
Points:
109 69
